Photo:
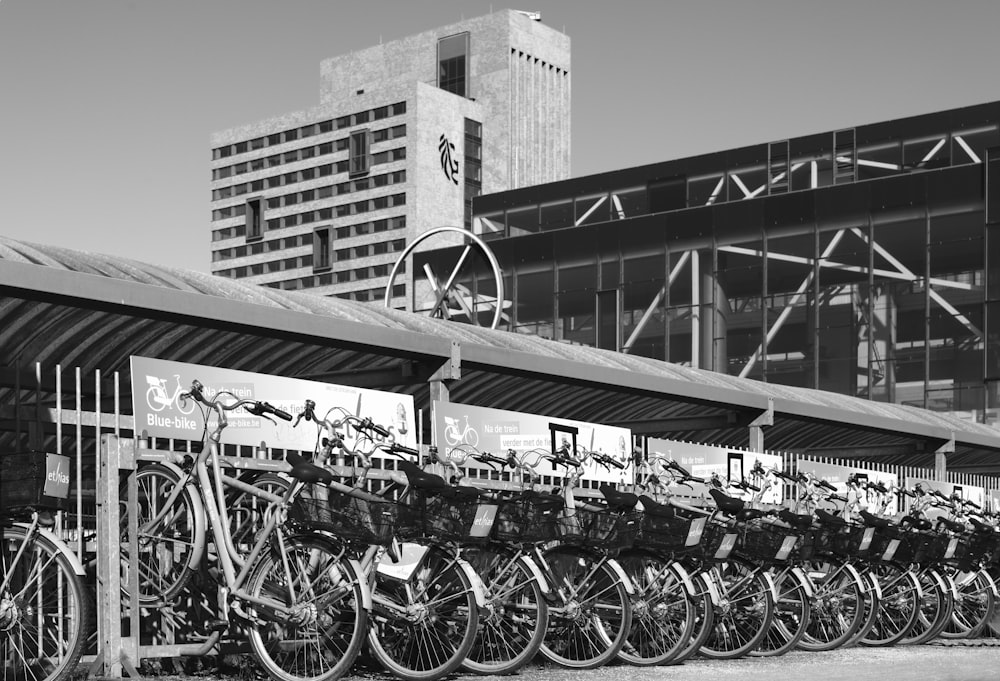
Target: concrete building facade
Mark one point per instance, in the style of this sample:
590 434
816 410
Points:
405 135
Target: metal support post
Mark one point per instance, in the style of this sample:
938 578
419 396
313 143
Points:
116 653
941 459
757 427
450 370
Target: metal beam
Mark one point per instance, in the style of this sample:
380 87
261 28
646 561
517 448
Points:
679 423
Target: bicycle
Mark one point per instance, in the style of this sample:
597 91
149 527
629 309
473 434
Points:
303 605
426 597
44 602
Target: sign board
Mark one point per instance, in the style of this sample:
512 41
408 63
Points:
977 495
460 428
837 475
157 385
702 461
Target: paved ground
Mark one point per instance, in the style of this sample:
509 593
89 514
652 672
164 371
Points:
957 661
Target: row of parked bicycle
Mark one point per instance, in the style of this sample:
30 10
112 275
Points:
430 574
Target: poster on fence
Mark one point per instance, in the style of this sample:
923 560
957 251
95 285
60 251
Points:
727 464
976 495
160 411
837 476
461 429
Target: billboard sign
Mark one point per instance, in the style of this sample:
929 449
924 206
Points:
837 476
703 461
462 428
159 411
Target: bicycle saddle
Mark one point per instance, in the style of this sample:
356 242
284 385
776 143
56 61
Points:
981 526
952 525
619 501
916 523
307 472
874 520
541 498
828 518
802 522
727 504
655 508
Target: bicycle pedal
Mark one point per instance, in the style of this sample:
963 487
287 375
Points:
217 625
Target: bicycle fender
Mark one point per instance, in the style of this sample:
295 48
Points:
770 584
62 546
713 588
620 571
366 592
876 586
857 577
536 572
991 582
944 583
804 580
477 584
685 578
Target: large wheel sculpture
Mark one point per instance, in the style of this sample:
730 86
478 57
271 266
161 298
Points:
448 292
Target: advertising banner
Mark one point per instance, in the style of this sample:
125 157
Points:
702 461
157 385
993 500
837 476
461 427
977 495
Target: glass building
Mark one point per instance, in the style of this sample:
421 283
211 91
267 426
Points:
863 261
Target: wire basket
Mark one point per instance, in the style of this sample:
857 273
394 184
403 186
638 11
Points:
921 547
454 517
846 541
767 542
527 519
599 528
364 521
671 532
717 541
885 544
980 548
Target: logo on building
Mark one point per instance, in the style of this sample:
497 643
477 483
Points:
448 164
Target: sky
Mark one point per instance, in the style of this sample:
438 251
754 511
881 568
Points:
107 106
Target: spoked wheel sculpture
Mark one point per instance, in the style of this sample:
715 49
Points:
450 298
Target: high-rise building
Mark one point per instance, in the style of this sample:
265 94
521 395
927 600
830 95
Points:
406 133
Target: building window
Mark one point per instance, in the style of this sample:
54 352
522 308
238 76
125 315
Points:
453 53
473 166
359 152
255 219
322 249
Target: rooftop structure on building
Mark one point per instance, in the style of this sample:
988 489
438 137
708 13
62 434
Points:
863 261
405 135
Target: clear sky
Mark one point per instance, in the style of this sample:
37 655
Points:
106 106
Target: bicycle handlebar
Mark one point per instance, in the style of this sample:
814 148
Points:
255 407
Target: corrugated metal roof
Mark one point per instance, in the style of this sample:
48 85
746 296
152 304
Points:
94 311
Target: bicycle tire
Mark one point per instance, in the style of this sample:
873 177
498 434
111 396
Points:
246 512
838 605
663 614
898 608
329 592
513 625
438 639
745 612
993 624
589 629
935 609
872 602
974 606
704 619
170 553
792 610
45 611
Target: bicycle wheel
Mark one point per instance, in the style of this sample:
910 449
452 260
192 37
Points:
744 613
993 624
590 616
872 605
513 623
323 635
838 605
663 616
704 616
973 607
935 609
246 512
898 608
170 551
44 609
423 627
791 615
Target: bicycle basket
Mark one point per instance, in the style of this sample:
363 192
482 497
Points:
717 542
527 520
767 542
599 528
671 532
847 541
449 517
350 518
980 547
34 480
